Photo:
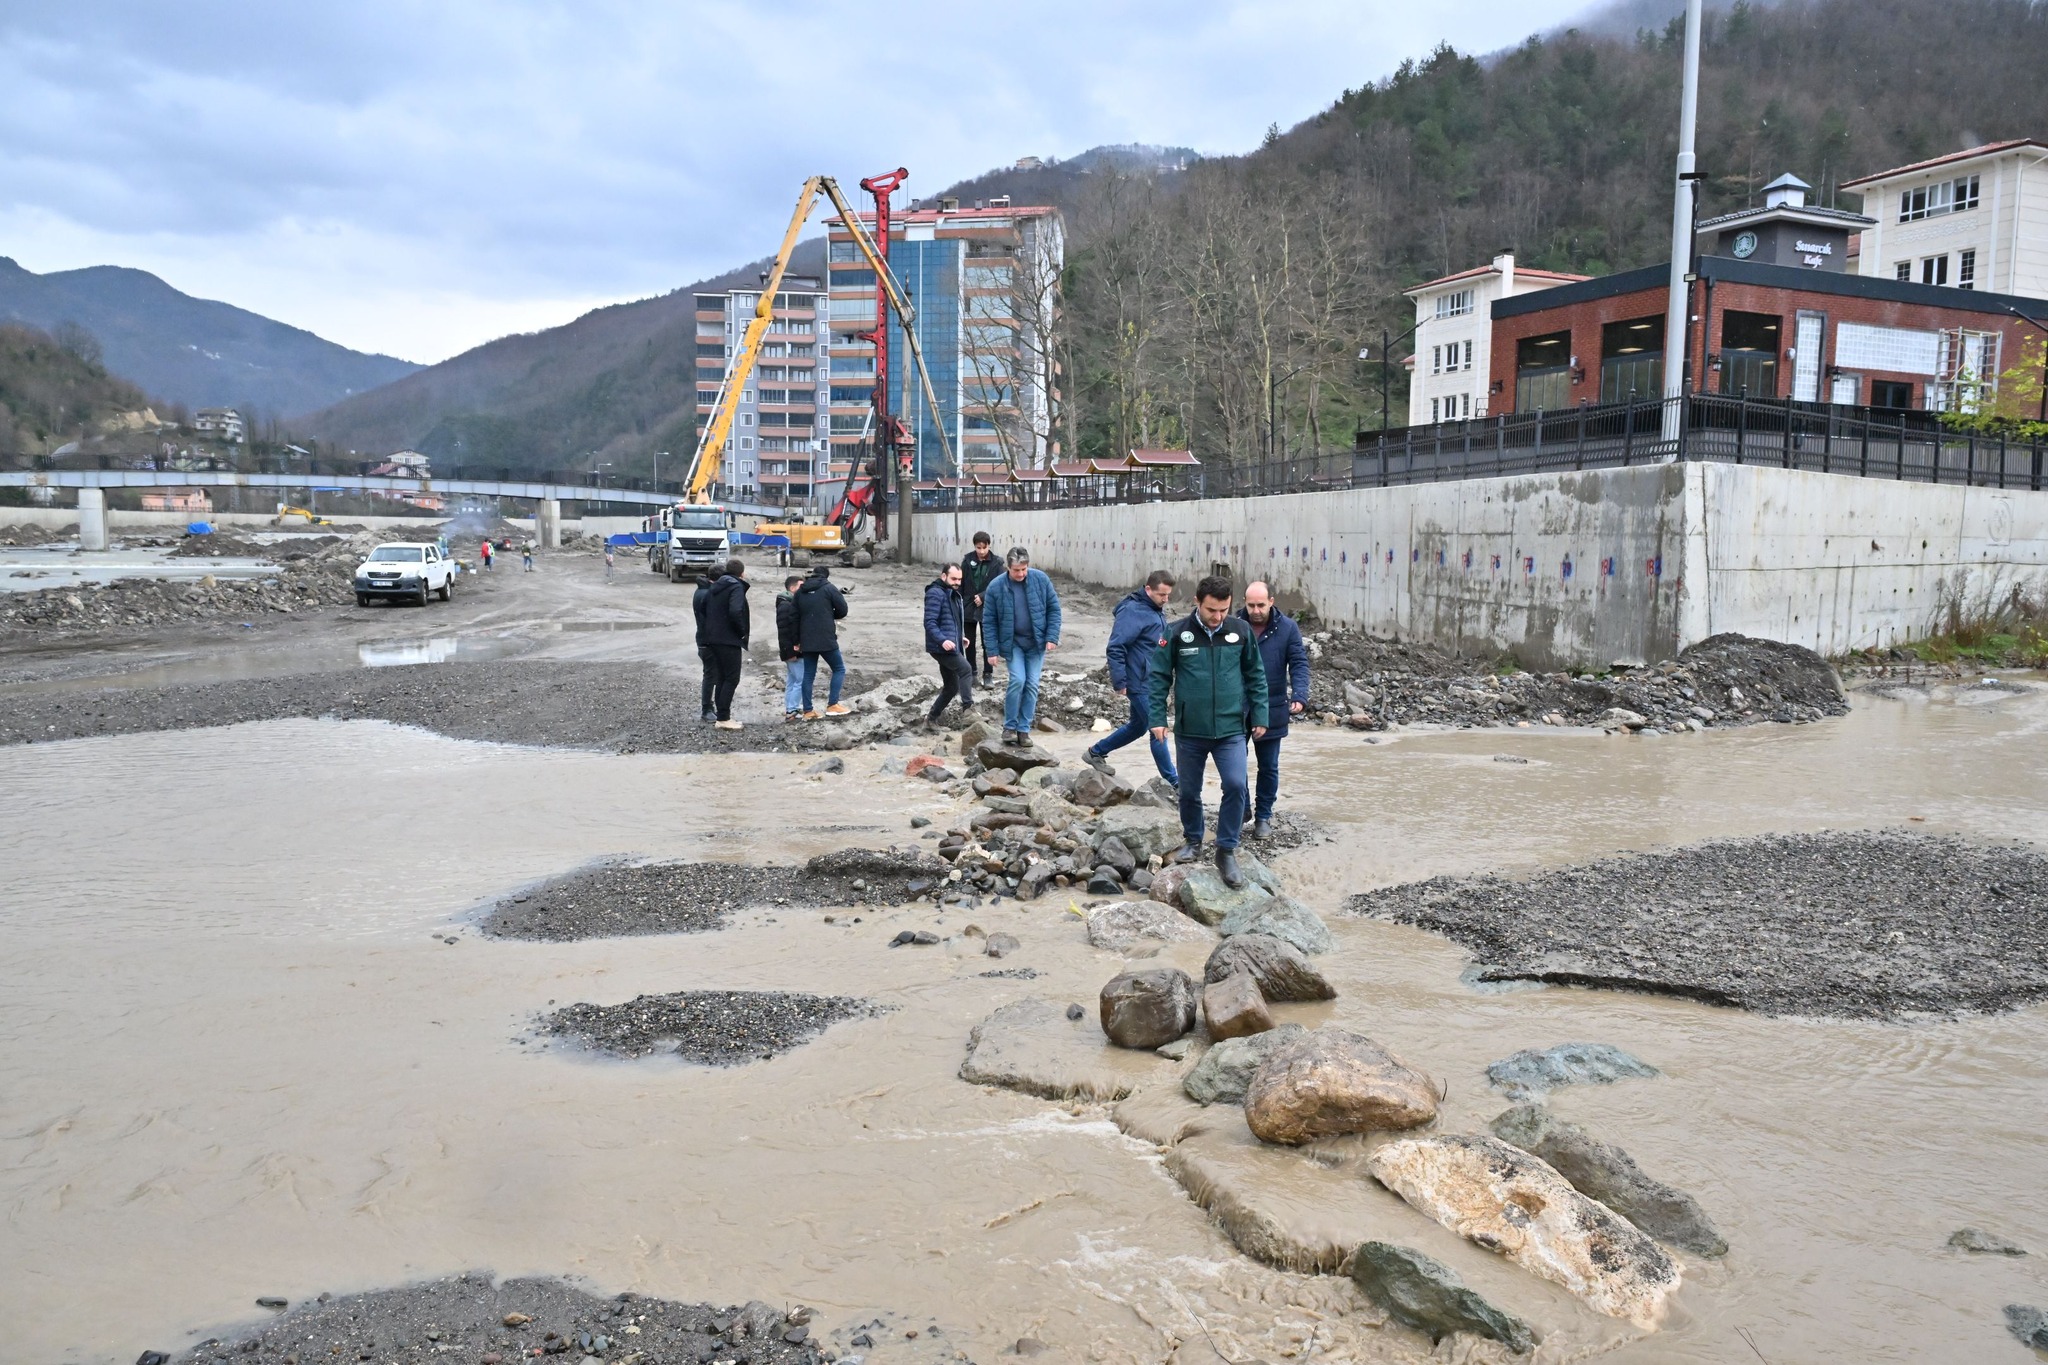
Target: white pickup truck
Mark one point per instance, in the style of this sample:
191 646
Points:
412 570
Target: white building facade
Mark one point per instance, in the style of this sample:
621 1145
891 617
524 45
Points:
1976 219
1450 377
776 451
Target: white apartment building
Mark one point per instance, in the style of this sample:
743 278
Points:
1976 219
1448 378
225 423
776 450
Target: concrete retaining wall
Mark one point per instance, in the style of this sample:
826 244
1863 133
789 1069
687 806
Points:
1575 569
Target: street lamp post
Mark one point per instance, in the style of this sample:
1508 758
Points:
1387 344
1273 406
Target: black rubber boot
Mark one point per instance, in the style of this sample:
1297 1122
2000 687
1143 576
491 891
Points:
1187 853
1226 864
1262 830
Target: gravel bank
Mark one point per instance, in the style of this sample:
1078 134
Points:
691 898
481 1321
1874 924
715 1028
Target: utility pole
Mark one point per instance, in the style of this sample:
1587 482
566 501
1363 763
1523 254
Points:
1677 313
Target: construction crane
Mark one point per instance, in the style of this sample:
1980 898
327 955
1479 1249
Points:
710 457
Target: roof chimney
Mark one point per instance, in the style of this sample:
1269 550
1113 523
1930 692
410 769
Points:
1505 264
1788 191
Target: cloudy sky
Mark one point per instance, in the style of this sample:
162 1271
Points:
419 178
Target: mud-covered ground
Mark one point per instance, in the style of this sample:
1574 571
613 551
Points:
687 898
480 1322
713 1028
1874 924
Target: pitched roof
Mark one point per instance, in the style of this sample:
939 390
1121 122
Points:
1148 458
1802 213
1521 272
1986 150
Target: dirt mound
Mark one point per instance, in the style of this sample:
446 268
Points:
17 536
1876 924
713 1028
221 545
470 1314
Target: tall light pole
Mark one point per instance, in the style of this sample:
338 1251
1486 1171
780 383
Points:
1677 326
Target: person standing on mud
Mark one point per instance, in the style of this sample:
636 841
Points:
1020 621
1285 659
485 552
1212 665
727 629
819 608
945 611
786 648
526 555
709 670
1136 632
608 549
977 571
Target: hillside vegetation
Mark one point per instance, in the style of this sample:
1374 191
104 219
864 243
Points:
52 392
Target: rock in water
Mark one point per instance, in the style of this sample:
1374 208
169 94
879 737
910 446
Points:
1166 884
1034 1046
1000 945
974 736
1421 1292
1225 1070
1984 1243
1145 1009
1605 1172
1281 970
1145 831
991 753
1333 1081
1206 897
1531 1073
1233 1007
1511 1202
1120 924
1284 918
2027 1323
1105 882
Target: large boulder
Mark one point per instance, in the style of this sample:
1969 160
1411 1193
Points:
1532 1072
976 734
1113 852
1225 1070
1148 1008
1205 896
2028 1323
1166 882
1334 1081
1092 787
1508 1201
1022 758
1145 831
1284 918
1605 1172
1121 924
1233 1007
1281 969
1032 1046
1421 1292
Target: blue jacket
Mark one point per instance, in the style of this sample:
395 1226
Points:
1138 629
999 611
943 613
1286 659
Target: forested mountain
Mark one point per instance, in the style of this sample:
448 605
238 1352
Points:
197 352
55 390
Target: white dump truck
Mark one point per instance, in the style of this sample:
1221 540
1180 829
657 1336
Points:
690 539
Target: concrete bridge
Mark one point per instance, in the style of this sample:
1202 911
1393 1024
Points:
547 497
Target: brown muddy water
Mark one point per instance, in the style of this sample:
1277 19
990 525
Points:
237 1058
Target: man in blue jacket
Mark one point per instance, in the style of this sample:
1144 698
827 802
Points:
1138 629
1286 661
945 639
1020 618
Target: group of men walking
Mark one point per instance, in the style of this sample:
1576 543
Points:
1016 614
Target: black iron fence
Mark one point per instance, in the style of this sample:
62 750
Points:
1820 437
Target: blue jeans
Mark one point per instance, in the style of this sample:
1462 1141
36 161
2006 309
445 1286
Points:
793 684
832 657
1268 751
1134 729
1020 700
1194 755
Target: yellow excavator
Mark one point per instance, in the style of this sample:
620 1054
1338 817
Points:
830 537
311 518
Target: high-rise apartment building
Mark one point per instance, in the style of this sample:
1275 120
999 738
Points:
777 451
984 282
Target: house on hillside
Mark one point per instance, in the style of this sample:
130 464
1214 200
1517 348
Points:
223 424
1975 219
1450 372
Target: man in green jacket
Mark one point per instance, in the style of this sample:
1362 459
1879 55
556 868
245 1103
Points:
1211 662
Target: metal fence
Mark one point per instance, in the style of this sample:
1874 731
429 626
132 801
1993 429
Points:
1820 437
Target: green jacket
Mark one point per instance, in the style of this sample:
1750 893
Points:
1217 680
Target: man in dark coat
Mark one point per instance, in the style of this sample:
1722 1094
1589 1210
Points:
727 628
945 640
709 670
1285 658
977 571
786 648
819 608
1136 631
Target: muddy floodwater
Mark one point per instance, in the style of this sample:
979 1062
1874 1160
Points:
238 1057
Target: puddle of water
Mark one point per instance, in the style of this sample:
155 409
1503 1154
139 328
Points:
586 627
239 1064
34 568
288 660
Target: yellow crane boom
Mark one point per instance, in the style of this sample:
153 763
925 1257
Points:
710 457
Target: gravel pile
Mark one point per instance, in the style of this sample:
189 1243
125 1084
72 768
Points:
15 536
714 1028
481 1321
1874 924
1722 681
692 898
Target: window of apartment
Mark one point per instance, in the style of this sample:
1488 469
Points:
1889 393
1934 269
1454 305
771 373
853 279
1903 271
1436 360
847 393
1966 270
1632 359
715 348
842 251
1750 344
774 419
1434 415
1947 196
1543 372
746 443
802 350
803 327
710 329
747 419
774 443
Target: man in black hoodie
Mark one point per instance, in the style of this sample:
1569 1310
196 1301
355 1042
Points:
726 630
820 607
708 669
979 569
